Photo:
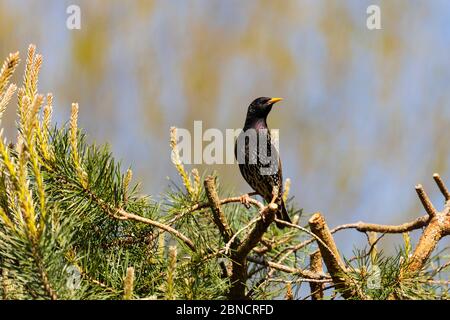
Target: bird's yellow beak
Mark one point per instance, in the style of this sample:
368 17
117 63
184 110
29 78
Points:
275 100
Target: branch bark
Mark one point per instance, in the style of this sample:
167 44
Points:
428 206
331 257
239 256
380 228
315 259
441 185
131 216
214 203
437 228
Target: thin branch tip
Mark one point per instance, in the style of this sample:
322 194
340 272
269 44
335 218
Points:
441 185
426 203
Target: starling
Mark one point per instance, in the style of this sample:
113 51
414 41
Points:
258 157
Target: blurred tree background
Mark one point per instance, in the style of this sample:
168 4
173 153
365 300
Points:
364 114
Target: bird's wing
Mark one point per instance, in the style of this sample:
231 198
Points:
253 173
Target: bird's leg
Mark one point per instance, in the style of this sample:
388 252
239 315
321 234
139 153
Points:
275 193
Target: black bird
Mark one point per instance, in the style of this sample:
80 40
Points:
257 156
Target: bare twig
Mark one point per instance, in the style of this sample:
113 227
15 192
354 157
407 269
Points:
428 206
442 187
373 227
131 216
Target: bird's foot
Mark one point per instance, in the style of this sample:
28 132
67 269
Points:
245 200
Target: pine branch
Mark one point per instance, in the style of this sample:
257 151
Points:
315 259
437 228
131 216
373 227
331 257
442 187
239 256
218 215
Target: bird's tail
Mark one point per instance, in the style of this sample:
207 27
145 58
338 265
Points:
282 214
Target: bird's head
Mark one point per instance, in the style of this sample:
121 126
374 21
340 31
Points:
260 108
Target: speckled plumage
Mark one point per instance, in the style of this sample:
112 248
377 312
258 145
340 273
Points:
251 155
